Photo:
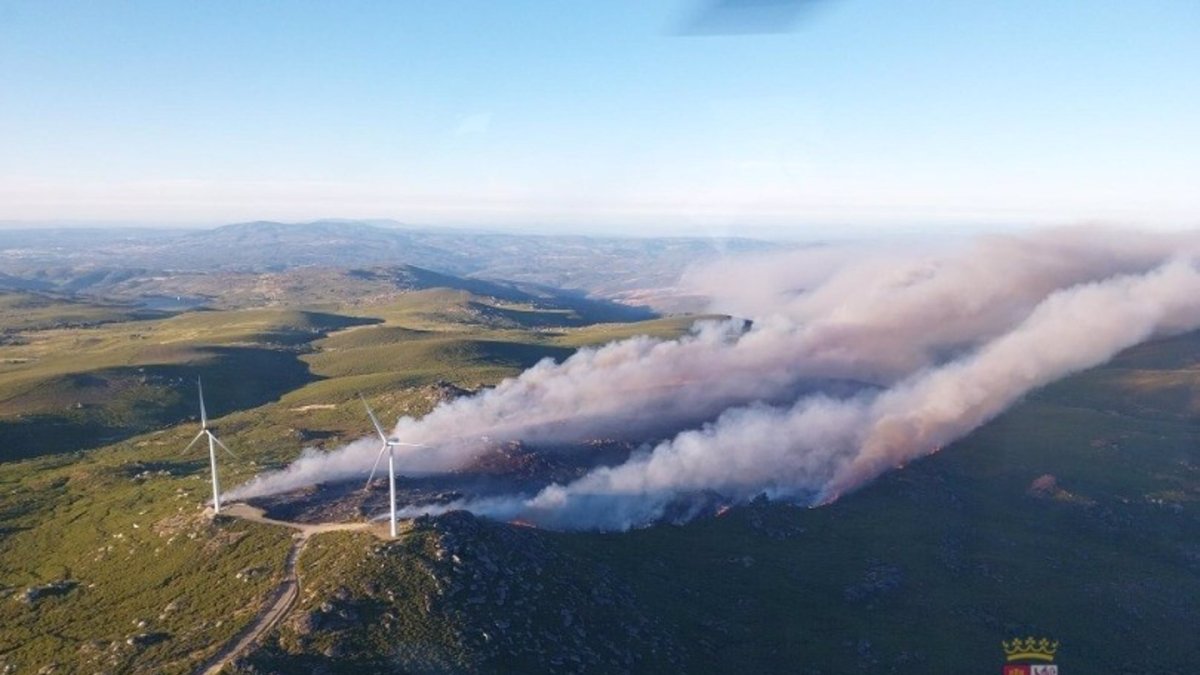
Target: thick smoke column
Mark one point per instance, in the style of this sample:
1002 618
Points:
856 361
818 447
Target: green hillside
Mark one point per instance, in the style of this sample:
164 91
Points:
1073 516
64 389
93 416
926 570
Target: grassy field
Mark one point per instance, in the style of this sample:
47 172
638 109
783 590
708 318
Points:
96 403
21 312
141 559
64 389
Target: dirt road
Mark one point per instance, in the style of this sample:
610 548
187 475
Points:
285 595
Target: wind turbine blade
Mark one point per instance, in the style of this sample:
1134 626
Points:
189 445
377 459
223 446
374 420
203 412
411 445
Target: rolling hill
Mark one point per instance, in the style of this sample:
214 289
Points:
99 261
78 373
1071 516
96 402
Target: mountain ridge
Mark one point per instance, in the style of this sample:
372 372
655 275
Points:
596 266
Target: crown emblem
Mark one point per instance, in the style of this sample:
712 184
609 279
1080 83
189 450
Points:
1030 648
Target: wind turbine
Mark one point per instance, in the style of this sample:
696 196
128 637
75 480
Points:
388 444
213 441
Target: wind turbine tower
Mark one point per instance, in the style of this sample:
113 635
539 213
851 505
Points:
388 444
213 441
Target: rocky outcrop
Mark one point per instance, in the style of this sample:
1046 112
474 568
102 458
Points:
521 603
54 588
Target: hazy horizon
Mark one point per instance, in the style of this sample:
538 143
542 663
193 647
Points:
806 232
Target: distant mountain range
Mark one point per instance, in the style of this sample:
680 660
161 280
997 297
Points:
80 259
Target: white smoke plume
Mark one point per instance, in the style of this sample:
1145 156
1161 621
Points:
856 360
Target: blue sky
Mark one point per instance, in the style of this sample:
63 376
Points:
598 115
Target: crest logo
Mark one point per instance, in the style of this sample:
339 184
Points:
1030 649
1018 652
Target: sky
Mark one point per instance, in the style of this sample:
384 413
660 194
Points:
608 115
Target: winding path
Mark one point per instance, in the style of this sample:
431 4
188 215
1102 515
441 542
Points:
285 595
